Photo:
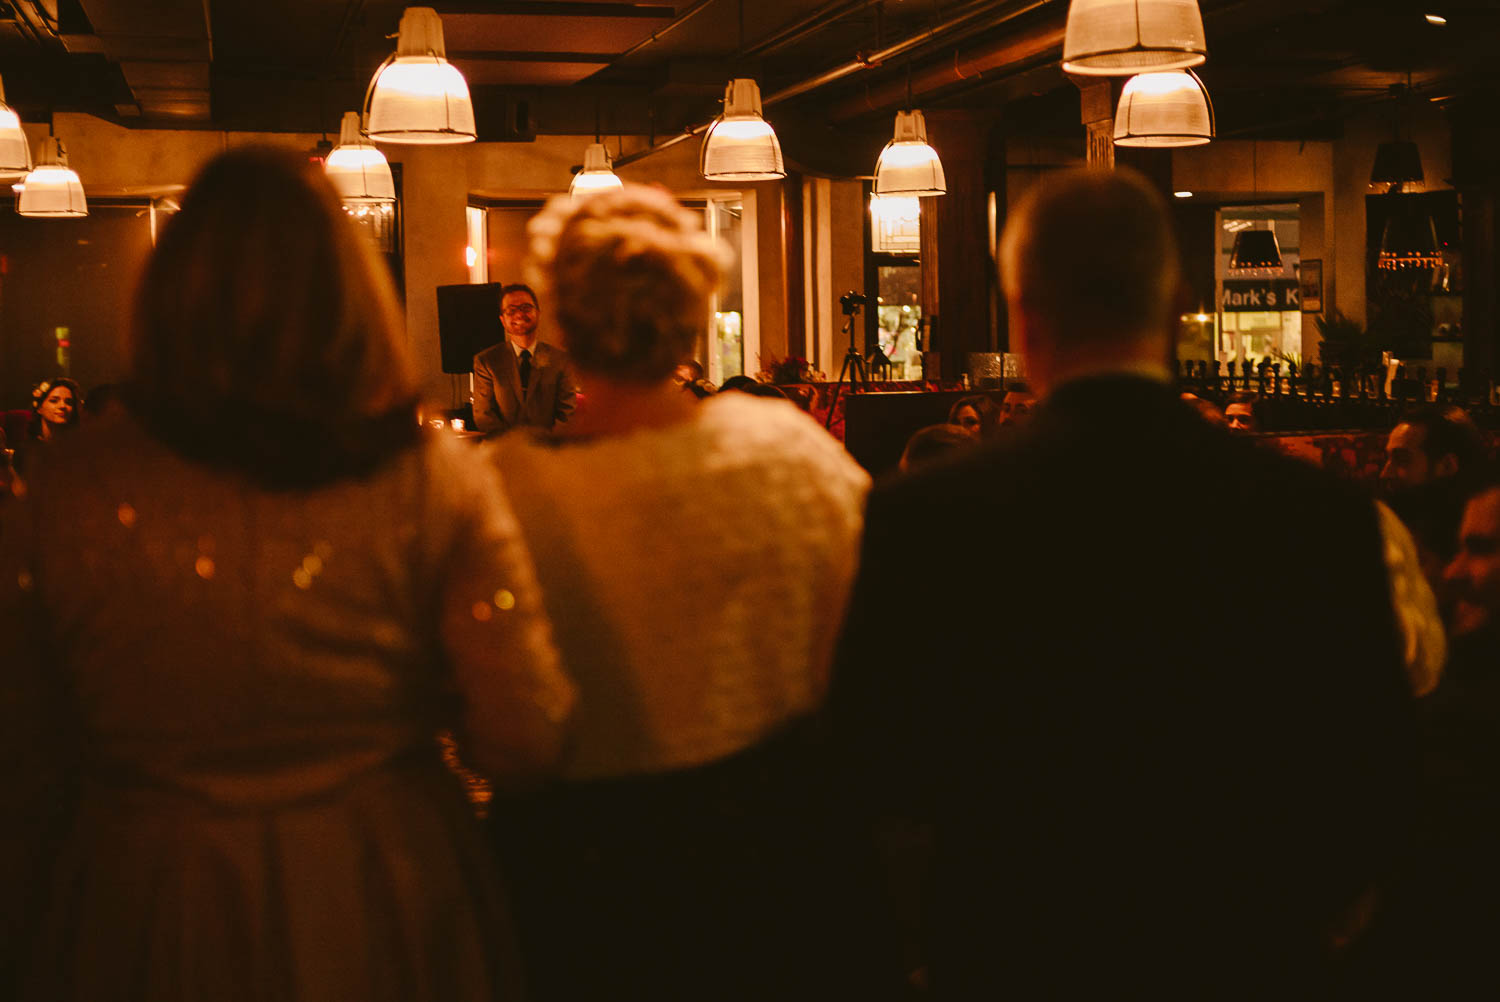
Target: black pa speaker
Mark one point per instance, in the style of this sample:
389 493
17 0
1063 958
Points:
468 323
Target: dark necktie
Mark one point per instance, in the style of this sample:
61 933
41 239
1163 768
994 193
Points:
525 371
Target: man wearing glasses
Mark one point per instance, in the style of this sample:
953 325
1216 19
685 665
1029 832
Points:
521 382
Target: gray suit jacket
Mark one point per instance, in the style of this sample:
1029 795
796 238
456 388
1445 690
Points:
499 404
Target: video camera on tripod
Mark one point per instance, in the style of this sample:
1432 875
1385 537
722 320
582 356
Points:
852 302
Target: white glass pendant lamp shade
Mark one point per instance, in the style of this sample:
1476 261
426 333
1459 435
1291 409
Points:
1116 38
596 175
15 152
908 165
417 96
1164 109
356 169
741 145
51 190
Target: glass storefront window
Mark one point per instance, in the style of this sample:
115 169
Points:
900 311
726 352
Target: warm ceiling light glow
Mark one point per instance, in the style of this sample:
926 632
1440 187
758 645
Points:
1435 19
356 169
1164 109
51 189
741 145
1183 194
908 165
895 208
596 175
15 152
417 96
1115 38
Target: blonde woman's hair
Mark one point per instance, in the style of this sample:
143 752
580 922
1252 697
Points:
266 333
630 275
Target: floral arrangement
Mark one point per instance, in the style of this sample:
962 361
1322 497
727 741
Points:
792 369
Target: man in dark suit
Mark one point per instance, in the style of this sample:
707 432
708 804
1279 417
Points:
521 382
1134 794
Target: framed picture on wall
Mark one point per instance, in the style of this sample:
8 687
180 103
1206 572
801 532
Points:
1311 279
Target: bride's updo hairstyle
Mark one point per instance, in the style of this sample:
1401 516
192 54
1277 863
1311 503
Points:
630 275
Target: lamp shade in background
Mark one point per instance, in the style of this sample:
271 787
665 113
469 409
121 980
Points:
908 165
741 145
15 152
51 190
1409 239
1164 109
1256 254
356 169
596 175
1398 166
417 96
1115 38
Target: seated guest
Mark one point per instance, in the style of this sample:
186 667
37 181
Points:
688 372
1016 406
753 387
55 408
1432 456
246 609
1434 442
1239 413
975 414
695 558
1113 817
1436 935
935 442
1209 410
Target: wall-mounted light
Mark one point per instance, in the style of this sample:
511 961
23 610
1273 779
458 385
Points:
15 152
1116 38
416 95
357 170
909 165
1164 110
1435 19
596 174
1182 194
51 190
741 145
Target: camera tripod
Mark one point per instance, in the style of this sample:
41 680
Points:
855 372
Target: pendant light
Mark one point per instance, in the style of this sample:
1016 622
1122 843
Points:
51 190
416 95
1164 109
356 169
908 165
596 175
1113 38
1409 239
1255 254
15 152
741 145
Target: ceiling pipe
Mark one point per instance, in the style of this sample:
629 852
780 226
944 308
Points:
1014 53
960 18
664 30
809 24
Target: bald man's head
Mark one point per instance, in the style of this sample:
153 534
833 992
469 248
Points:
1090 257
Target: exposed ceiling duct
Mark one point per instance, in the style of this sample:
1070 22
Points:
163 49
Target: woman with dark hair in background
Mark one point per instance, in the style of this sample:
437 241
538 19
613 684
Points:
55 407
261 593
695 558
977 414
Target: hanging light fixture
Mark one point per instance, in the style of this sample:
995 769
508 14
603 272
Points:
416 95
51 190
1255 254
908 165
1164 109
356 169
596 175
1113 38
1398 166
15 152
741 145
1409 239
